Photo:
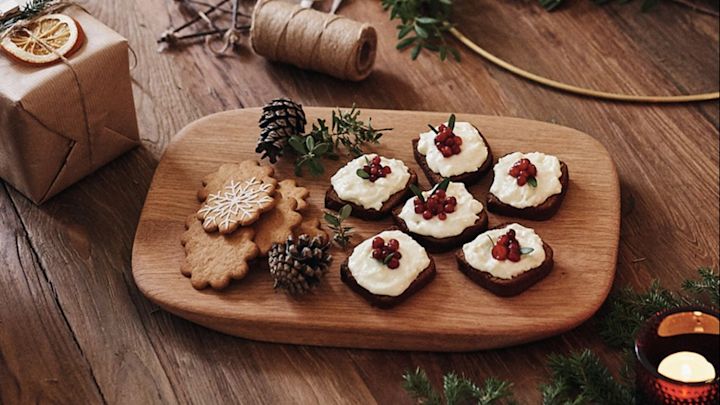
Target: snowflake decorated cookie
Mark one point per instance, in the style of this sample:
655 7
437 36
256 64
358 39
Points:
236 195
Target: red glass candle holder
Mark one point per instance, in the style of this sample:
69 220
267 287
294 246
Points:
693 329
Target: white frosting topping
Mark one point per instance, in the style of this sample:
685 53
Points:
379 279
351 187
505 186
478 253
465 214
473 151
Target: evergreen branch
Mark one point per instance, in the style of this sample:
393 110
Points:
580 378
342 233
456 390
30 10
418 385
708 285
423 25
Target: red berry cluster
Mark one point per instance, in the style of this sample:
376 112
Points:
382 250
447 142
522 170
507 247
375 170
437 204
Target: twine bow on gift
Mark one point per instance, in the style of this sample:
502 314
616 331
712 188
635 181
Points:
20 25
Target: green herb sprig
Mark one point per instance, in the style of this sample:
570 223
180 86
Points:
30 10
341 232
423 25
347 131
456 390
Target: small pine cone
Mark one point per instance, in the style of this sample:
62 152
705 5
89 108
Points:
299 264
281 119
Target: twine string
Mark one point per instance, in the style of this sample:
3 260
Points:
310 39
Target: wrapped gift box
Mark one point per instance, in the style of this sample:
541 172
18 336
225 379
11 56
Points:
60 123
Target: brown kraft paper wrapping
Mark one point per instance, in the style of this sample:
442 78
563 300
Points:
48 141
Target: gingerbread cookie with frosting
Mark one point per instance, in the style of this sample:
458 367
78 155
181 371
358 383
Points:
454 150
371 184
442 218
388 268
506 260
236 195
528 185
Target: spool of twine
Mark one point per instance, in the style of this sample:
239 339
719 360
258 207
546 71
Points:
309 39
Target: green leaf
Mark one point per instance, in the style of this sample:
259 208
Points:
362 174
310 143
331 219
415 51
297 143
404 30
315 167
416 190
321 149
451 122
405 42
454 52
389 257
421 32
433 128
532 181
443 185
526 250
426 20
345 211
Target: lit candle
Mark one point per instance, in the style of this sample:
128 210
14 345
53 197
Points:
689 367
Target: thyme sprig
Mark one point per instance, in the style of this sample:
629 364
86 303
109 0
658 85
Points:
346 132
341 232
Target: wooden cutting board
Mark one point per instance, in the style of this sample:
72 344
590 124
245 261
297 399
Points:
450 314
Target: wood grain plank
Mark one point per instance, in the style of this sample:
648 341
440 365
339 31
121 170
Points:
40 359
675 231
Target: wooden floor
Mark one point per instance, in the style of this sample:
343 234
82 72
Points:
75 329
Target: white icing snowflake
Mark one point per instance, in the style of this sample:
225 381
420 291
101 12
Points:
236 204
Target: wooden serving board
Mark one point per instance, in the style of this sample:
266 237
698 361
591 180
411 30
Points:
450 314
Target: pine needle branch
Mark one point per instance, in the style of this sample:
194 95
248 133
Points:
708 285
456 390
30 10
418 385
580 378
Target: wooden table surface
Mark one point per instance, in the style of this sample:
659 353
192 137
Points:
75 329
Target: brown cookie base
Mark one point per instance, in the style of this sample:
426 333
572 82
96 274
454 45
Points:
334 202
537 213
504 287
437 245
386 301
467 178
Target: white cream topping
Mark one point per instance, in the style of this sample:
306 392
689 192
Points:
379 279
465 214
473 151
478 253
351 187
505 186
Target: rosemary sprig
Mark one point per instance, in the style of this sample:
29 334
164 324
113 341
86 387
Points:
347 131
456 390
30 10
423 25
341 232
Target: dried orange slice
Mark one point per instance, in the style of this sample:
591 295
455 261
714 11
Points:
44 40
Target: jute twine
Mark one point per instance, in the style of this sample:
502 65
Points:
309 39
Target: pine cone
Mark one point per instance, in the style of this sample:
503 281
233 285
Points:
299 264
281 119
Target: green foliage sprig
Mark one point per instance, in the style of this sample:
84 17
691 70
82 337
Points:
580 377
30 10
627 309
347 131
423 25
456 390
341 232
